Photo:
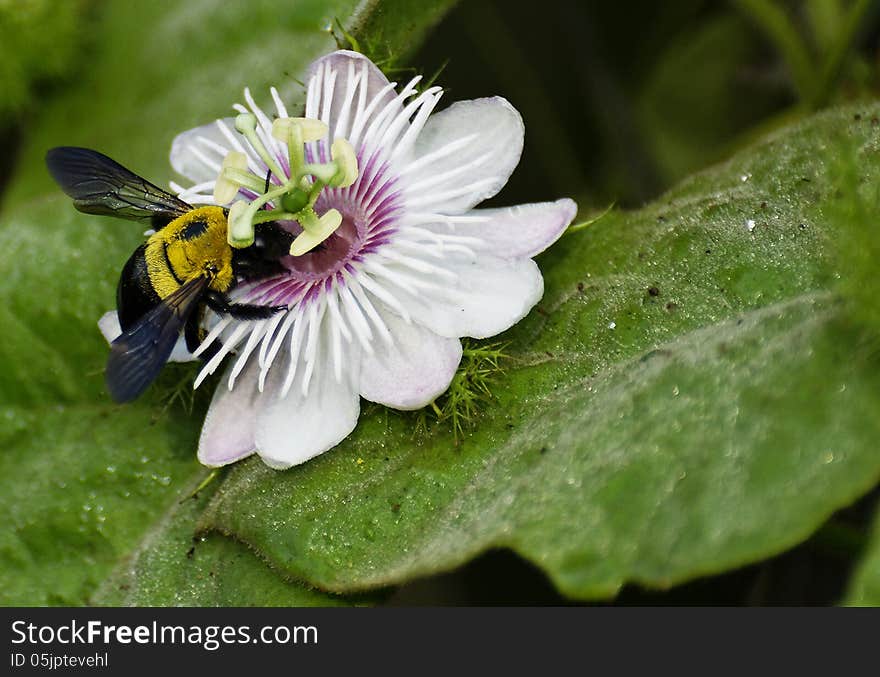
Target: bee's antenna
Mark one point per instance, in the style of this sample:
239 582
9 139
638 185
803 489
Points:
268 179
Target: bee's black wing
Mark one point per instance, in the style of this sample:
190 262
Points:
138 355
99 185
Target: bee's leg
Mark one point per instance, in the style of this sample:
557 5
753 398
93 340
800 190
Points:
240 311
194 335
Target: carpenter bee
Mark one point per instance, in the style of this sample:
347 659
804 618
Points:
185 265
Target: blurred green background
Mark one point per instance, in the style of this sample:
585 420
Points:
623 97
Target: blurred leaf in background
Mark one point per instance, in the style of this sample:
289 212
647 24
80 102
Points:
624 99
40 43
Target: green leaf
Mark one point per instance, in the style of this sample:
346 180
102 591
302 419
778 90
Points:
689 397
78 484
172 567
864 589
87 484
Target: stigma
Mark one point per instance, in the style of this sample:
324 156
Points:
299 179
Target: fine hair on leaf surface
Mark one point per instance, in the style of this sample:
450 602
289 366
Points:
175 389
382 54
469 392
854 221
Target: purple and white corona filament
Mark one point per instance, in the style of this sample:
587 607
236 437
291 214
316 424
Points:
392 264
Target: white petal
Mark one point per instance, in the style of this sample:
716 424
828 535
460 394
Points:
489 296
349 66
515 232
413 371
188 153
454 182
109 326
228 430
293 429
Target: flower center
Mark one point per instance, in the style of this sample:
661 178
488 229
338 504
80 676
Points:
329 256
297 187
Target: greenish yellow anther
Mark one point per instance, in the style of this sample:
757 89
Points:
345 158
245 122
310 130
225 189
300 189
315 230
240 229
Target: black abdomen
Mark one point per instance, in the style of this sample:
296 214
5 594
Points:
135 295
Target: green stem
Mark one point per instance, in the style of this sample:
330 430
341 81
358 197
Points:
776 25
839 50
260 200
245 179
249 131
264 215
323 173
295 150
315 191
589 222
824 18
210 477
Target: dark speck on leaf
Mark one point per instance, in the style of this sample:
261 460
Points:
671 306
875 120
541 311
191 552
802 226
857 116
708 251
654 291
543 450
580 286
395 507
548 353
763 205
655 353
661 218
